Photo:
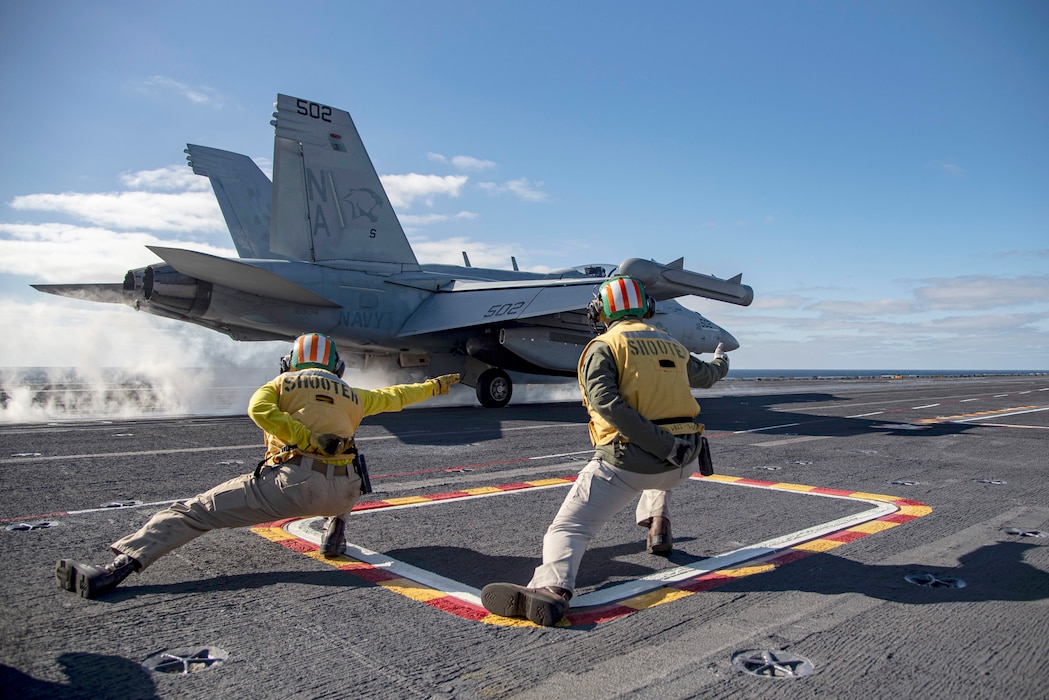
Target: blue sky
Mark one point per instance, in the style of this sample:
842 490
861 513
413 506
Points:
879 172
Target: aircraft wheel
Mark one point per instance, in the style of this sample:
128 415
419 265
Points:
494 388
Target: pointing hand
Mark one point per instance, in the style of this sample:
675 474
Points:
444 383
719 352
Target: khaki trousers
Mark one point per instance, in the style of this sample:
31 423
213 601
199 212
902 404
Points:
599 492
288 491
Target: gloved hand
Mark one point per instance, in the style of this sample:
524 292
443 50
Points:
719 352
683 452
444 383
328 445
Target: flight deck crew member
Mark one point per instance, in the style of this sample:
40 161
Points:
311 468
636 384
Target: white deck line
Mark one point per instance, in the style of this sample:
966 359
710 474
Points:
622 591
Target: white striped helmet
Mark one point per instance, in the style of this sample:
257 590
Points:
313 350
620 297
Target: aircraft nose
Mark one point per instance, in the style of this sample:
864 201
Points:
729 341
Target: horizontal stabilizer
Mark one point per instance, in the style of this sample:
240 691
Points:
107 293
239 275
669 281
477 304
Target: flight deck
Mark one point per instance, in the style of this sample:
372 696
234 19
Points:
866 537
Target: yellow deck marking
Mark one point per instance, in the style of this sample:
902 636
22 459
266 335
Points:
818 545
661 587
977 414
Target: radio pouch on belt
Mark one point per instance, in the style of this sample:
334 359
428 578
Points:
361 467
706 465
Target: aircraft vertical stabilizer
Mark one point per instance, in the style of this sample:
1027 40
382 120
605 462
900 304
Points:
328 203
243 192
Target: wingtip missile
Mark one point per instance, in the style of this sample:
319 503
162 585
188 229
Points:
672 280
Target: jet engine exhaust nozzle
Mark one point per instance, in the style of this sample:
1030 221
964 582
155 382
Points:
165 286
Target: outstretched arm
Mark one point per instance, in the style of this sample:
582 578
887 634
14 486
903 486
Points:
394 398
703 375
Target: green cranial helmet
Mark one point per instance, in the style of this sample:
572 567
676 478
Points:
313 350
620 297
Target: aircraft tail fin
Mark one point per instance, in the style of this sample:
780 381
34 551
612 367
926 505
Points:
328 202
243 192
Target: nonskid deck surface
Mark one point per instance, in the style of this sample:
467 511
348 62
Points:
905 526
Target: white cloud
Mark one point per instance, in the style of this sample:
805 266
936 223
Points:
791 302
934 327
173 177
186 205
866 308
158 211
113 228
983 324
449 251
520 188
405 190
951 169
471 163
201 95
464 162
64 253
425 219
977 293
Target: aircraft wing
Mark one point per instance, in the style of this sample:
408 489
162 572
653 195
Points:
465 304
240 276
106 293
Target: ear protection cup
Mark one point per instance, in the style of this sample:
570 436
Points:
650 307
593 312
285 363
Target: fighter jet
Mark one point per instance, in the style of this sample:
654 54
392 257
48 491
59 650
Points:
321 249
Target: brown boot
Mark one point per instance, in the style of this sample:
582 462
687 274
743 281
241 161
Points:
91 581
659 539
544 606
333 541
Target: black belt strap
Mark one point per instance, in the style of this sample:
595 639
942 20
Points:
668 421
350 452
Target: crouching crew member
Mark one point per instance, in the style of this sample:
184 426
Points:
636 384
311 468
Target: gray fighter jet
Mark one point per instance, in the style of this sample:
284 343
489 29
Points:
322 250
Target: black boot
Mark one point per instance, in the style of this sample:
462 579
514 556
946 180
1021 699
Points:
91 581
333 541
543 606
